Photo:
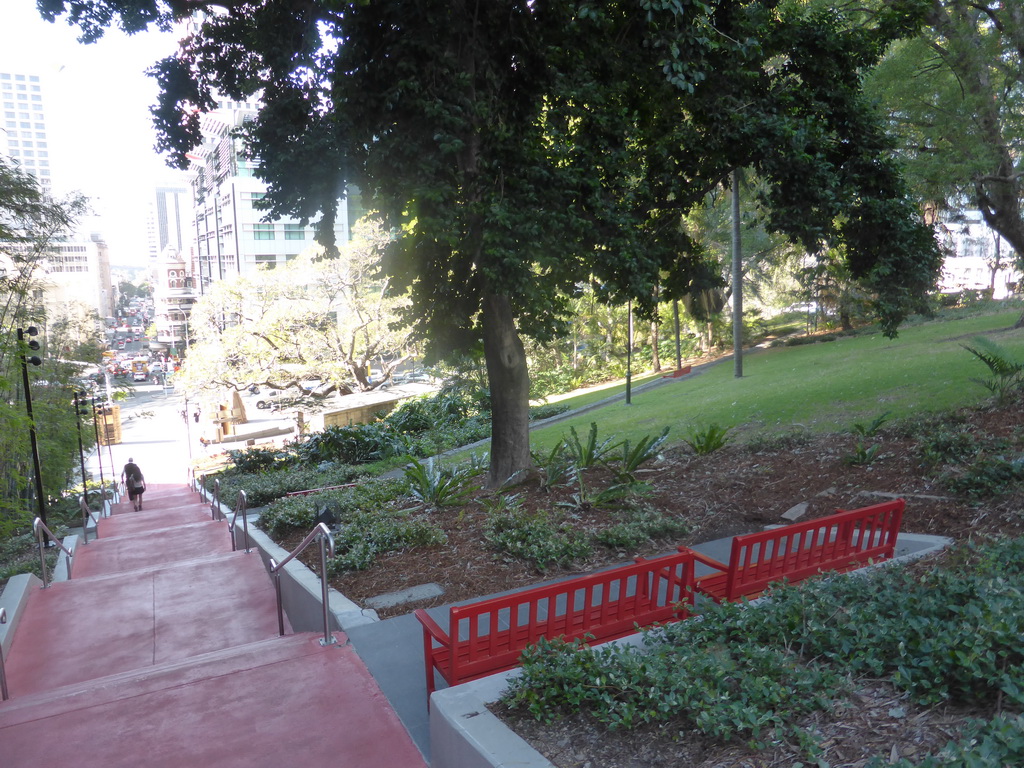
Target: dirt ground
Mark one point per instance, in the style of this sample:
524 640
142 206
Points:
739 489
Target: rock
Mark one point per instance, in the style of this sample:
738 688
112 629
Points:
795 512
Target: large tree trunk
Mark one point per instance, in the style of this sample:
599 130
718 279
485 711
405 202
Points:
509 381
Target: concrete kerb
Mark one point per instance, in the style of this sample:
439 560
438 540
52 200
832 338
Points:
14 599
300 587
464 733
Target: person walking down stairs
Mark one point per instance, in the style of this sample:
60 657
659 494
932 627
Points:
134 482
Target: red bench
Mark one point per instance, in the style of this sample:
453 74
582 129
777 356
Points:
679 372
840 542
489 636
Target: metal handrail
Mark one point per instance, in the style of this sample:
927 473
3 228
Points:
241 507
323 533
38 526
86 517
215 499
3 672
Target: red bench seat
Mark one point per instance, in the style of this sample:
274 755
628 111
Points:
840 542
489 636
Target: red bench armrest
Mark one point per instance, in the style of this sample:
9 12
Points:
701 558
432 628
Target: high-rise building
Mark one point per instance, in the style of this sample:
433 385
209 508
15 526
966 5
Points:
173 216
232 236
23 129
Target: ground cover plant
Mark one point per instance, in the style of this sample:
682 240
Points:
777 678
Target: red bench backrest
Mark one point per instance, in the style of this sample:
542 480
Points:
648 591
847 539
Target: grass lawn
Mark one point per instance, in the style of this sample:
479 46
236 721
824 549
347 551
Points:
817 387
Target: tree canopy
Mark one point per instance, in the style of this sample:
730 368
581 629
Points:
956 98
519 147
327 320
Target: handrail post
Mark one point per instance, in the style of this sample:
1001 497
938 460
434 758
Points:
277 589
37 529
3 672
242 507
85 519
325 537
215 499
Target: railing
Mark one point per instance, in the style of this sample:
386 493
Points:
86 517
323 533
3 672
38 526
241 508
215 499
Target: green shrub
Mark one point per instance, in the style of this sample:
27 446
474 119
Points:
707 440
987 476
589 452
943 635
354 444
439 486
540 538
264 487
285 515
546 411
365 535
641 525
257 459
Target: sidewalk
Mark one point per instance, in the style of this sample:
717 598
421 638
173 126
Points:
163 651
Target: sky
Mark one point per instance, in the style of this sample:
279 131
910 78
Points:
96 101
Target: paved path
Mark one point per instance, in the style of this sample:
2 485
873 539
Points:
163 651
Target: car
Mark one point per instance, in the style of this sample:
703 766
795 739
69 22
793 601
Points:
140 376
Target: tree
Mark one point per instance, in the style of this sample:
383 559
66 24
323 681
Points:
30 221
956 100
328 320
521 146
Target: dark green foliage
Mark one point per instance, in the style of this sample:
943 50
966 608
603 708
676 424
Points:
590 452
298 513
993 743
947 443
439 486
723 690
355 444
987 476
635 456
366 534
264 487
942 635
257 459
540 412
1006 375
541 538
640 525
707 440
555 467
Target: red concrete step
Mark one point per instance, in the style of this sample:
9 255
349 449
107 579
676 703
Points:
87 628
135 551
278 702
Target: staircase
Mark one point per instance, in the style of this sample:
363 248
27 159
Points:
163 650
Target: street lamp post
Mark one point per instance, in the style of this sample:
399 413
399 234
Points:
34 360
99 455
81 449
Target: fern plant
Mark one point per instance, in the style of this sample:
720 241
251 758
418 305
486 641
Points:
707 440
633 457
588 453
870 430
555 466
437 486
1006 373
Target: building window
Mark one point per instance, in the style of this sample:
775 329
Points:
263 231
269 260
294 232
